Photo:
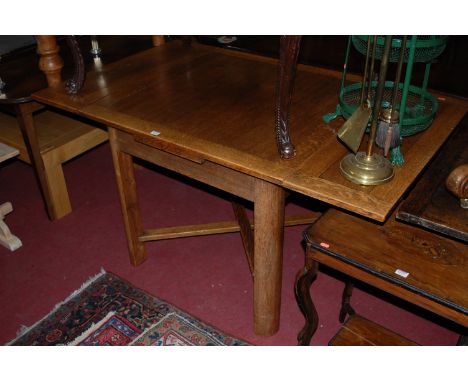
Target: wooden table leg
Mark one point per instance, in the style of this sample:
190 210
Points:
50 176
268 256
125 176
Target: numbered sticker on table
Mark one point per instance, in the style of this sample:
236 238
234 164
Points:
402 273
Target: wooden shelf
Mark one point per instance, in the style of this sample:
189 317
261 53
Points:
55 131
359 331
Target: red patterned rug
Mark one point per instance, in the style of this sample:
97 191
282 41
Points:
109 311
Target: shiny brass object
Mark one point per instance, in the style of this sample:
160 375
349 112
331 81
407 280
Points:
389 116
367 170
353 129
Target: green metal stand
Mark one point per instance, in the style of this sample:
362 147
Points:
417 107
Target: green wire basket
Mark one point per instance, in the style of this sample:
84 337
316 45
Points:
421 106
416 105
427 48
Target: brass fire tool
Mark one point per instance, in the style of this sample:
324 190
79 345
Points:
388 127
369 168
353 129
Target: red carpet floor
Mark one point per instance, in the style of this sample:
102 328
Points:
205 276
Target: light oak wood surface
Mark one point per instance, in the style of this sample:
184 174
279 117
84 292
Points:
208 113
213 105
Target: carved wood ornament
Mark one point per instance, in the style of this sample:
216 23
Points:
289 50
74 84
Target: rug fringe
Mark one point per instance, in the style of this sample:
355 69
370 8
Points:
26 329
23 329
86 284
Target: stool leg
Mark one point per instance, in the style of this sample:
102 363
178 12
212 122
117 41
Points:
345 301
304 279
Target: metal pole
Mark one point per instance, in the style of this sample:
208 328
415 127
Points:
379 93
406 85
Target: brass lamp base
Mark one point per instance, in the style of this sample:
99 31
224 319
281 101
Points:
367 170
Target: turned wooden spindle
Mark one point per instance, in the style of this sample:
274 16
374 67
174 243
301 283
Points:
457 184
50 61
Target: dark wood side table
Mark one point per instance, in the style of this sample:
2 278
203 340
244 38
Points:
430 205
425 268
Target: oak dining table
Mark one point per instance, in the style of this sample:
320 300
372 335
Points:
208 113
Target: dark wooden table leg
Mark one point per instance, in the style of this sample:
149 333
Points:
462 341
124 173
268 256
304 279
289 50
346 307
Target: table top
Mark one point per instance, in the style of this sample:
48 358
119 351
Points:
218 105
430 204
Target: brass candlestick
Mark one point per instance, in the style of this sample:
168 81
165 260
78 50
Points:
369 168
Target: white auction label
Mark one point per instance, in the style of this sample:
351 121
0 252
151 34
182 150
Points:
401 273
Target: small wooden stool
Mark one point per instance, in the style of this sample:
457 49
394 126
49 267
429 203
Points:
7 239
424 268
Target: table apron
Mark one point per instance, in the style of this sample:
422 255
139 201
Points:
391 288
220 177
